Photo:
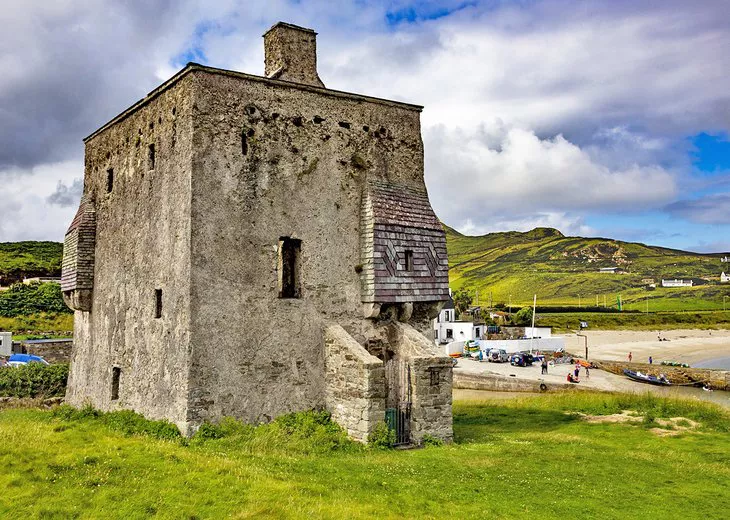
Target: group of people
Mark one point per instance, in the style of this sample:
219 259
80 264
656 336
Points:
575 376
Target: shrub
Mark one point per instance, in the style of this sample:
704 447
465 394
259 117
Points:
430 440
21 300
124 421
208 431
34 380
382 437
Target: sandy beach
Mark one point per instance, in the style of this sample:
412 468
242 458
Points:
683 345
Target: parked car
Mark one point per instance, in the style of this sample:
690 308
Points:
498 355
521 360
17 360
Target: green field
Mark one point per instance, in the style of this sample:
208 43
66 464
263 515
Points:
636 321
48 325
523 458
512 266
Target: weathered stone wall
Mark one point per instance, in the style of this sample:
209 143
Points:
274 160
355 384
431 383
52 351
142 244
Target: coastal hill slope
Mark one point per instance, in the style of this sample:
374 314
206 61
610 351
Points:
565 271
20 260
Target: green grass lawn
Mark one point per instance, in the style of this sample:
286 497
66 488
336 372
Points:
53 325
636 321
522 458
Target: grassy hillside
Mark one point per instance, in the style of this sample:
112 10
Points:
19 260
564 270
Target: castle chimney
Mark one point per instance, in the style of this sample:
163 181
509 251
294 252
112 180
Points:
290 54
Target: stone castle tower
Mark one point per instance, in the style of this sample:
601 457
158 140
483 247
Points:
250 246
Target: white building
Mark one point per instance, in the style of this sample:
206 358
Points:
447 329
725 259
41 279
724 278
677 283
538 332
6 343
608 270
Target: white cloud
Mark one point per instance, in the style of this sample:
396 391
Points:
485 177
565 106
567 224
27 213
711 209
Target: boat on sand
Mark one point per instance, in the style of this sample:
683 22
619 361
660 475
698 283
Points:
646 378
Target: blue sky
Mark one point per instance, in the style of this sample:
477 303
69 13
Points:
598 117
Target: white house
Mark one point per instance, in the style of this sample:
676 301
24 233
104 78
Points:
41 279
725 259
608 270
677 283
724 278
6 343
447 329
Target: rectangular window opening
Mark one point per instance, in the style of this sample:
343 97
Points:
116 373
289 253
109 180
409 260
151 157
449 333
158 303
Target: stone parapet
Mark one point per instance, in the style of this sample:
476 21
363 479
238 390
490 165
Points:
354 384
431 380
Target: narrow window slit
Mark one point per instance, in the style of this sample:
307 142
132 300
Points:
116 373
109 180
151 157
158 303
289 260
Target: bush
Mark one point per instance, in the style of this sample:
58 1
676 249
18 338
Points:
382 437
124 421
34 380
430 440
35 298
523 316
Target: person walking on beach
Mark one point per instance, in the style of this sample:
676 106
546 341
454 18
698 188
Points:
630 357
577 370
543 365
651 360
587 373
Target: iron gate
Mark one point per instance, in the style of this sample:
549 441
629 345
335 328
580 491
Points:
398 403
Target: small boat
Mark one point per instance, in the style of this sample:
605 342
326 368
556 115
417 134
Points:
645 378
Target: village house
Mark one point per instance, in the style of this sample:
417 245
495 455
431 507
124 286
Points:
41 279
724 278
250 246
446 328
677 283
